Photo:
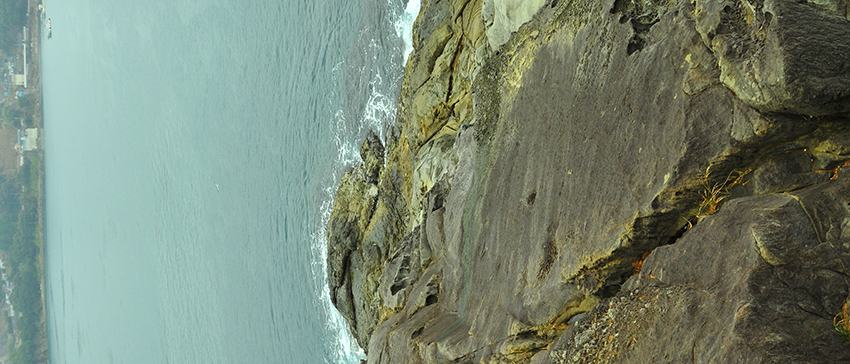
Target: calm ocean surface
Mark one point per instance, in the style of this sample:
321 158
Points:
191 152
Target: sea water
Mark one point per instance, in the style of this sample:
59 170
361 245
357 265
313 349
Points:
192 149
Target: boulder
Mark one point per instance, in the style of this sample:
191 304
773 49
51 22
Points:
786 172
354 206
759 282
781 56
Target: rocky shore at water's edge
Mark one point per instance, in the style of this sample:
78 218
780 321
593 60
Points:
606 181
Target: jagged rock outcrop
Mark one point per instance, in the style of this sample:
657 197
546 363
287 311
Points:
373 222
526 182
354 244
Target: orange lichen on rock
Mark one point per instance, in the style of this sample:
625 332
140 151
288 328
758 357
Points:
639 263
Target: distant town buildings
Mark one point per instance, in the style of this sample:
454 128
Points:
30 140
19 79
27 141
16 77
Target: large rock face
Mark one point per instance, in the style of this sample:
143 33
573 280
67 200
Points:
527 182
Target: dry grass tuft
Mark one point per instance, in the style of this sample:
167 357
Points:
713 195
833 171
841 321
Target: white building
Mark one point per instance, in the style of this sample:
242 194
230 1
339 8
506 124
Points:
19 79
30 139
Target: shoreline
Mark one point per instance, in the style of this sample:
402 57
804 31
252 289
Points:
34 26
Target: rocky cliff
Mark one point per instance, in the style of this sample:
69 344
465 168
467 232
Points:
596 181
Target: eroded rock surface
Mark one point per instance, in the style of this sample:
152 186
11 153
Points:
525 183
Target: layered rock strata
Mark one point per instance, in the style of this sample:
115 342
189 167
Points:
538 160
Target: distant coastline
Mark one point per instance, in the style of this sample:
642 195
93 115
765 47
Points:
22 301
24 252
35 17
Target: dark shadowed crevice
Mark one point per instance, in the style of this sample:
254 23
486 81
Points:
678 210
431 299
642 16
550 253
530 199
396 287
638 41
416 333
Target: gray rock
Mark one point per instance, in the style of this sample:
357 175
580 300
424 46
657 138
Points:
433 240
400 272
757 283
372 153
352 286
780 55
786 172
353 208
434 162
832 153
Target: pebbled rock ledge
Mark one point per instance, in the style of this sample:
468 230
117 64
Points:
593 181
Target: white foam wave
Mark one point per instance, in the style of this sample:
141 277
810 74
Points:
404 26
345 349
380 110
